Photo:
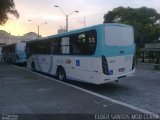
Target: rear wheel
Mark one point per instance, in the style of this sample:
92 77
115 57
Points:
61 74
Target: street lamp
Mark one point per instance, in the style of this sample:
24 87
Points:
66 15
38 26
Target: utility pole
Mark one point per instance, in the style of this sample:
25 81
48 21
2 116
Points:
38 27
84 21
66 15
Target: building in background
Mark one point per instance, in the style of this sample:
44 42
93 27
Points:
61 30
151 51
1 45
7 38
29 36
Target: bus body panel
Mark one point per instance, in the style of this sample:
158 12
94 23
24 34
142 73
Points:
119 48
90 72
117 66
88 69
77 68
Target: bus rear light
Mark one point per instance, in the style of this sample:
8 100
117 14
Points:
105 66
133 63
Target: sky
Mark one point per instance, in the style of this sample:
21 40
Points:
40 12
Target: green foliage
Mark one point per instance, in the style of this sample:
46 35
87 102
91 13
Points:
7 7
146 22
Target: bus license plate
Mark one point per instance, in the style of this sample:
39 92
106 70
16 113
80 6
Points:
121 69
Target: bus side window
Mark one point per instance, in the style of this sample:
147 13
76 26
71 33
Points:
76 50
65 45
55 46
74 45
91 42
52 47
83 43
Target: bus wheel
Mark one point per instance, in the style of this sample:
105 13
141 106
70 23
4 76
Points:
61 75
33 66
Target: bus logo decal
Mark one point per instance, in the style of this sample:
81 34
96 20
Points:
68 61
43 59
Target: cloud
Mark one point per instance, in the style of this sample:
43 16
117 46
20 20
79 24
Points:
44 11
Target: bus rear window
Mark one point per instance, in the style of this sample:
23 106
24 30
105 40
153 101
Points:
119 36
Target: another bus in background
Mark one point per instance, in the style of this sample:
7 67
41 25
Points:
14 53
97 54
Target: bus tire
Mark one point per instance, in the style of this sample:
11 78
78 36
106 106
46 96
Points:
33 66
61 74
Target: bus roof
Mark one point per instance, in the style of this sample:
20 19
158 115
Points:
86 28
81 30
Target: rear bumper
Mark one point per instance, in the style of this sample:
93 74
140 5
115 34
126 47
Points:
107 79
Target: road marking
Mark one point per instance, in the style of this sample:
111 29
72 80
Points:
96 94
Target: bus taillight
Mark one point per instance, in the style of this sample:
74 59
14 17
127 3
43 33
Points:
105 66
133 63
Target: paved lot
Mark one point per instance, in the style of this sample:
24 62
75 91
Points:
142 90
146 66
23 92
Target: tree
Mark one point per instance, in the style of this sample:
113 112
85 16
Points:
7 7
146 22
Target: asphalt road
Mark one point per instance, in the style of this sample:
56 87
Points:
142 90
24 92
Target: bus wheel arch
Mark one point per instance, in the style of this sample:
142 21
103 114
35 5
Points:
61 74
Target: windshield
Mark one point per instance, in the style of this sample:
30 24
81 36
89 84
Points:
119 36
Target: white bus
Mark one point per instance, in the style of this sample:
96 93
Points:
97 54
14 53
